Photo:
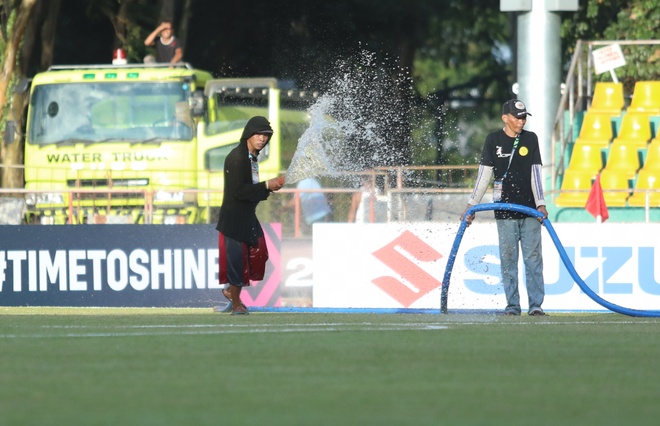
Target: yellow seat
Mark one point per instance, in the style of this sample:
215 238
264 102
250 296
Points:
608 98
586 157
652 160
616 187
623 157
575 188
635 129
596 129
647 179
646 97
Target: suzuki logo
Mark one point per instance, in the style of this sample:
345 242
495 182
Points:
400 256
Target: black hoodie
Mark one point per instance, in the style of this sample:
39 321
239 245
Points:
256 125
238 218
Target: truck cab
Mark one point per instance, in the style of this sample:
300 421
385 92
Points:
137 143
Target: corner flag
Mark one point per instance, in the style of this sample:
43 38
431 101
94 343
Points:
596 202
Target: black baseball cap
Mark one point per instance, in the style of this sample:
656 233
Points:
515 107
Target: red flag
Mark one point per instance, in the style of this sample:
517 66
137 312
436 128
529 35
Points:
596 202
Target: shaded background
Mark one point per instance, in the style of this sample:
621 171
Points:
450 62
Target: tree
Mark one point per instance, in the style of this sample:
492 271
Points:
308 41
464 69
13 25
619 20
36 52
14 21
455 53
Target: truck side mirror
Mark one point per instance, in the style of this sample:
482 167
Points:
10 132
197 103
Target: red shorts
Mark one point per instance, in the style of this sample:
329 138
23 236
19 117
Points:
240 263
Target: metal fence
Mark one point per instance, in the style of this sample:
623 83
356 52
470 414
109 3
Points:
411 194
112 201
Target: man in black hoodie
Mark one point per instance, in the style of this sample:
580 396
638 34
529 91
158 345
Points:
238 225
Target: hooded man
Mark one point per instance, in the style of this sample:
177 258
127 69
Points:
239 228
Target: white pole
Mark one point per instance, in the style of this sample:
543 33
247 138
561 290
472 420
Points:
613 74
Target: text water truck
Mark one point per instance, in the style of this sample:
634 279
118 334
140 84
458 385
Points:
137 144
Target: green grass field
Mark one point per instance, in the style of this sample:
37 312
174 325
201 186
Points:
61 366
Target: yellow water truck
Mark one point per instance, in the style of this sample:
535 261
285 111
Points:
138 143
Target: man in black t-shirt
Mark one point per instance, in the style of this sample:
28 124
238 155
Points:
167 46
513 157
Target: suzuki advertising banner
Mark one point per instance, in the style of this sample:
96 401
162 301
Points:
402 266
122 265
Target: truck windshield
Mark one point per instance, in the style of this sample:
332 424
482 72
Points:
109 112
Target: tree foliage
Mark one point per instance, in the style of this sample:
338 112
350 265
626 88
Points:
14 19
619 20
464 70
456 53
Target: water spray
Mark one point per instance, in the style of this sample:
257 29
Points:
351 124
560 249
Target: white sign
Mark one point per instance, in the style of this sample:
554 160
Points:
402 266
608 58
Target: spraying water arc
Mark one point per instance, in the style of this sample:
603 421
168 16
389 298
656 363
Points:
560 249
358 123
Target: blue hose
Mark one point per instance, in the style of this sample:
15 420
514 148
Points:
560 249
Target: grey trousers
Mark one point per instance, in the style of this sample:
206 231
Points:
525 234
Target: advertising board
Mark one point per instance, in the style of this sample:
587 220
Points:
122 266
402 266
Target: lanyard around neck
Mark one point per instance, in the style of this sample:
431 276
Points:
513 151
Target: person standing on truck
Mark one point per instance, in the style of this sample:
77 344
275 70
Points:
513 157
242 248
167 46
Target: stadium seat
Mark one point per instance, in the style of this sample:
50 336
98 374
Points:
616 187
647 179
624 158
646 98
652 160
608 99
575 188
596 129
635 129
587 158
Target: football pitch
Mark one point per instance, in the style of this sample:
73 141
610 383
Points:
97 366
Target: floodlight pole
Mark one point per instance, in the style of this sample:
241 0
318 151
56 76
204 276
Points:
539 67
